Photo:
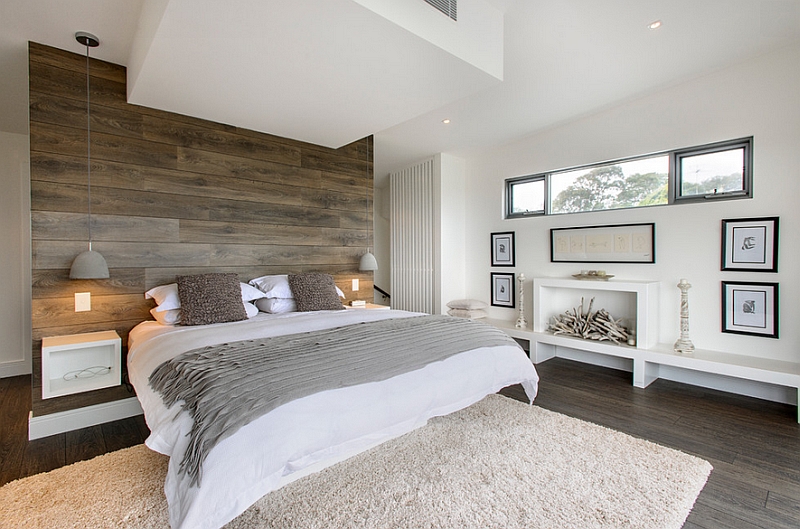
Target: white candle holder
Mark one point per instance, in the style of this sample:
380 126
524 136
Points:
521 321
684 344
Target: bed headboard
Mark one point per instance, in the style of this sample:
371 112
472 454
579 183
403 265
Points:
172 195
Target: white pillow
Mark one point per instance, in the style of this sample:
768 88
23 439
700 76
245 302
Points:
472 314
277 286
173 316
467 304
274 286
276 305
250 309
167 317
166 296
251 293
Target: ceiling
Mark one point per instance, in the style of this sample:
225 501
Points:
332 71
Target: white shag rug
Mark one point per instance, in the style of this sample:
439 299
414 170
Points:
497 464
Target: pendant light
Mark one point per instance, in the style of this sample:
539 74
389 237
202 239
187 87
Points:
368 261
88 264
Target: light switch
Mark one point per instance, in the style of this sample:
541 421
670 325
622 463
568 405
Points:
355 285
83 301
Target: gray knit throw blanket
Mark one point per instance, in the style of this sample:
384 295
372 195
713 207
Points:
226 386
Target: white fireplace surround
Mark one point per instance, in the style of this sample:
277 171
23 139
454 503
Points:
637 302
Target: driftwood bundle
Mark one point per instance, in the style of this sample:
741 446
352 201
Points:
589 325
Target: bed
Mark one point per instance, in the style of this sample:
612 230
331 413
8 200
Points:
311 432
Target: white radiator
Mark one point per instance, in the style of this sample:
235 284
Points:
412 238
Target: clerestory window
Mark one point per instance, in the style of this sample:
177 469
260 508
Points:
709 172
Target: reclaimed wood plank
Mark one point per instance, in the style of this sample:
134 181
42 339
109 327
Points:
342 273
334 162
57 139
219 141
76 400
60 312
75 226
254 255
66 169
225 187
54 110
205 162
55 283
61 59
202 231
72 84
59 254
48 196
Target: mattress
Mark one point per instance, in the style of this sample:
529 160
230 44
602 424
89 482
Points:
308 433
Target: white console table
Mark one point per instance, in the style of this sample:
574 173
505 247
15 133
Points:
638 303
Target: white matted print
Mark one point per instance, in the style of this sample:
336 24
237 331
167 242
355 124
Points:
503 249
750 244
624 243
502 290
750 308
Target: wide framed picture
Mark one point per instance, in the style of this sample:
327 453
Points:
750 308
750 245
621 243
502 290
503 249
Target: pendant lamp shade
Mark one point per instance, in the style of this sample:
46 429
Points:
368 261
88 264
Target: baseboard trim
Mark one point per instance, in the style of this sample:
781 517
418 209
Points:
66 421
15 368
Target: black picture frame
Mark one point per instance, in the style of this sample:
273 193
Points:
750 245
613 243
750 308
503 289
503 249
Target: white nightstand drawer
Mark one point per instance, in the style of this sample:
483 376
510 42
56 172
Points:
80 362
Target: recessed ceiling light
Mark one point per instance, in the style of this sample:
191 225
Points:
445 121
654 25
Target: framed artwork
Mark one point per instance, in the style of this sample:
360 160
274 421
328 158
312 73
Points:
502 290
503 249
622 243
750 245
750 308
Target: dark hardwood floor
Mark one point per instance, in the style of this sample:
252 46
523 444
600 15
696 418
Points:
754 445
20 457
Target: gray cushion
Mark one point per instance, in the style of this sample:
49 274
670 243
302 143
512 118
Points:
314 291
210 298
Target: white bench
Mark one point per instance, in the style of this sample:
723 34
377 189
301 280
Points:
647 362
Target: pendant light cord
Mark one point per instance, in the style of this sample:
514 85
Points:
89 148
366 195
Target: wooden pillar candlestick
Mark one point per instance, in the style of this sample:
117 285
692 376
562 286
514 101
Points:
684 344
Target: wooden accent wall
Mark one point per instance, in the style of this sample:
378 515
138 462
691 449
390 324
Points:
172 195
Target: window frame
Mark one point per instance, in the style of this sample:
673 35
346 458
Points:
511 182
674 178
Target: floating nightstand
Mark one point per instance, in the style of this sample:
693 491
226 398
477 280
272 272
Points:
80 362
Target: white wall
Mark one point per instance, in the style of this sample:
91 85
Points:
757 98
450 233
381 236
15 263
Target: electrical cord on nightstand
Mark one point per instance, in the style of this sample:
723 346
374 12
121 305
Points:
89 372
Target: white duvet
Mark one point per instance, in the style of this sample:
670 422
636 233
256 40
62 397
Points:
309 433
